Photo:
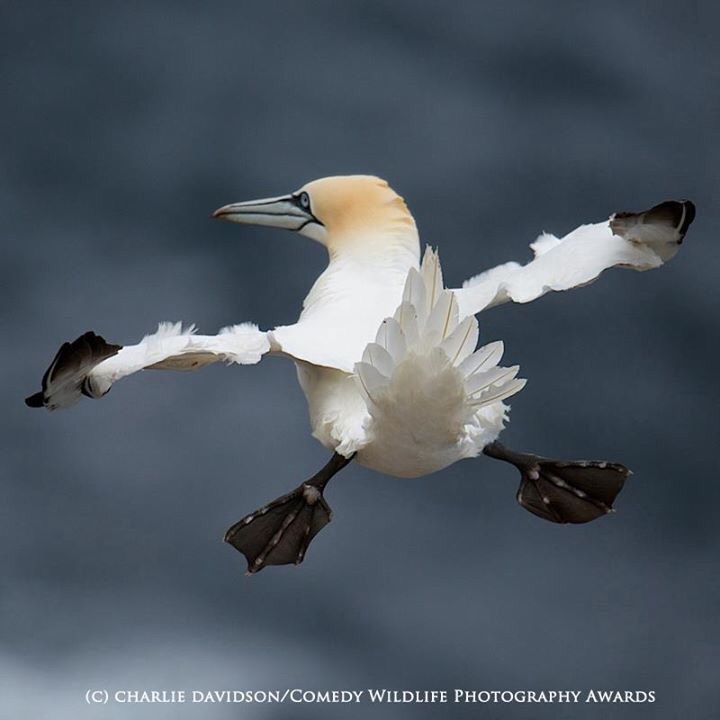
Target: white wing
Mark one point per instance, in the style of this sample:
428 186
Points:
640 241
89 365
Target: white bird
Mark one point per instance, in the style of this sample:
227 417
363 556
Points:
386 355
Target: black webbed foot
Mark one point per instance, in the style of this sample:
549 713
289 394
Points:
564 491
280 532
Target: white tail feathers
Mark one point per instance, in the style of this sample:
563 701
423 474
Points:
391 338
493 385
462 341
432 274
427 331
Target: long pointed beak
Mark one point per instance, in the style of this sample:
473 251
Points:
281 212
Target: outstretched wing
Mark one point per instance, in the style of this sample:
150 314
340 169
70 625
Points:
640 241
89 365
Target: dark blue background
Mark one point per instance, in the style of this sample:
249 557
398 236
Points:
124 125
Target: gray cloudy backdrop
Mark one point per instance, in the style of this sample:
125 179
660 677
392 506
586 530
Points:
124 125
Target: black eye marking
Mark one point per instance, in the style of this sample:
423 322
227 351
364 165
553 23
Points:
302 201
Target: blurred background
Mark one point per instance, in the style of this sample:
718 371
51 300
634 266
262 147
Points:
124 125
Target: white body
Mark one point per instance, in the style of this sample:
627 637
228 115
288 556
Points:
420 398
385 355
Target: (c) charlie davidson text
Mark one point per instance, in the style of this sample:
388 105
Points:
369 695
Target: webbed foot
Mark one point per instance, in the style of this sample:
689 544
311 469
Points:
564 491
280 532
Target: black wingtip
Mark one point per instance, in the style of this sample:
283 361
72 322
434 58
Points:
689 215
674 215
35 401
64 380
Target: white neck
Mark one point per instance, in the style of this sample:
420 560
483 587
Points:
363 282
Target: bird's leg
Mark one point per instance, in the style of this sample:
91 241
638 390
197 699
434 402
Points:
280 532
564 491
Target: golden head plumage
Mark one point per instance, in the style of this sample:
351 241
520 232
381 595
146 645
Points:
347 213
358 205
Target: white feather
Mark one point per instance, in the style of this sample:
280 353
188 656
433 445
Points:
415 293
243 344
477 383
495 395
372 382
486 357
462 341
377 356
407 318
432 275
390 336
442 320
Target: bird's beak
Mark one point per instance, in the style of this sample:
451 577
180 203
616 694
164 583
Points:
282 212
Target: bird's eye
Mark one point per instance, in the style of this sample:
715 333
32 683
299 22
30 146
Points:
304 201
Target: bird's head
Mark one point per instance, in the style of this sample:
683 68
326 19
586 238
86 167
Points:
350 213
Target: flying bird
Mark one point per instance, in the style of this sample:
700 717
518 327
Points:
386 355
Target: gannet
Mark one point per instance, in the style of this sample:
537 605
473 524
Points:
387 355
